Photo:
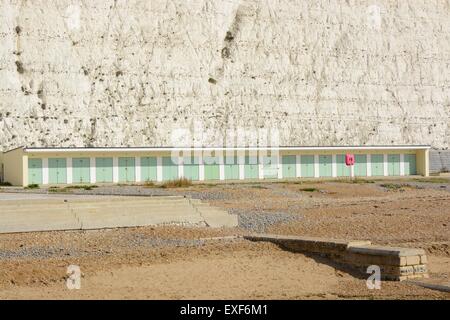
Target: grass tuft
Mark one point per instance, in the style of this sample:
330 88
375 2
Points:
85 187
309 189
149 184
398 186
177 183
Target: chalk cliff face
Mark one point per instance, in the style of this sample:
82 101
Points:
316 72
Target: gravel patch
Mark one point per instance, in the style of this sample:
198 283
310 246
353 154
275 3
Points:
141 240
126 191
279 190
260 221
38 253
428 185
132 242
206 195
101 190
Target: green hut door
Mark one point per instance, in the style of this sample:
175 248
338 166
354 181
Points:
149 169
191 168
212 169
81 172
231 168
360 165
289 166
307 166
325 165
251 169
34 171
393 164
57 170
377 164
127 172
104 170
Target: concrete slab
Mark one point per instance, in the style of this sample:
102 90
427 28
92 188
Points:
40 212
390 251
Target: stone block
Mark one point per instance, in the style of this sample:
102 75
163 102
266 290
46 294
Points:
386 251
423 259
412 260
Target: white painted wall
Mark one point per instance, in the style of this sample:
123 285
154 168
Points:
316 166
298 167
159 169
69 170
138 170
369 165
93 173
115 169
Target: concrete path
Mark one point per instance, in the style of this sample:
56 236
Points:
37 196
27 213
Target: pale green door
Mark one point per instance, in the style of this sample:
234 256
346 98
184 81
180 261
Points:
231 168
410 164
191 168
34 171
251 170
104 170
169 168
342 170
212 170
270 167
325 165
360 165
127 171
393 164
307 166
57 171
377 164
289 166
148 169
81 170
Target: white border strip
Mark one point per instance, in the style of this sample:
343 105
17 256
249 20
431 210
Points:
49 150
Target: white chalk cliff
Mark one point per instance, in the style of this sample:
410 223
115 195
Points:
131 72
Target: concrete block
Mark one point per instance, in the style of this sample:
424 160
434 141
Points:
423 259
395 263
412 260
388 251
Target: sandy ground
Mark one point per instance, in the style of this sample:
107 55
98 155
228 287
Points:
174 262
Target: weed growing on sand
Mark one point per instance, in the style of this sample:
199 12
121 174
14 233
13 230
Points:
433 180
258 186
70 188
56 189
398 187
149 184
177 183
309 189
85 187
